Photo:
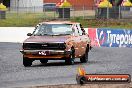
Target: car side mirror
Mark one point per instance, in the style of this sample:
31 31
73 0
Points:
29 34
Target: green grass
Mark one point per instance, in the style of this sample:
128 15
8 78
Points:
31 19
18 20
24 19
103 23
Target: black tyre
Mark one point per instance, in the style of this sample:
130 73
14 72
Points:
43 61
27 62
84 58
81 80
71 58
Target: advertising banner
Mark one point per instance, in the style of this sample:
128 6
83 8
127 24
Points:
107 37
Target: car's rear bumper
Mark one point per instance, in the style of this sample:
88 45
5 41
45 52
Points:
49 54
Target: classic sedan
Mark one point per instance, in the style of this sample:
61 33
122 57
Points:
56 40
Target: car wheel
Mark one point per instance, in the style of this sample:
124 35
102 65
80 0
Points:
43 61
84 58
71 58
27 62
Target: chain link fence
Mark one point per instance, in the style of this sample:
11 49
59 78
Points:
75 11
114 13
53 13
82 12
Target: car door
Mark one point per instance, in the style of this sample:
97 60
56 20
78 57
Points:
83 40
76 41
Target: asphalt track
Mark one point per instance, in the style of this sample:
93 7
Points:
101 61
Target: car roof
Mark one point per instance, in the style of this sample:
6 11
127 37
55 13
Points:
59 22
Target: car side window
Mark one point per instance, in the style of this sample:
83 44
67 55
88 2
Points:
82 29
76 31
79 29
36 28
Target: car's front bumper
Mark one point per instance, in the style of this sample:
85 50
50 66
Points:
45 53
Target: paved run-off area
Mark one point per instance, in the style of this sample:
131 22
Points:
101 61
14 74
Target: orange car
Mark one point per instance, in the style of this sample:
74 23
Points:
56 40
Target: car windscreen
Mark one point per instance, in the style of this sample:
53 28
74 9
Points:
53 29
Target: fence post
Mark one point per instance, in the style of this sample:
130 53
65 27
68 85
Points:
44 11
83 12
74 11
119 12
54 14
34 8
63 13
108 11
96 12
17 6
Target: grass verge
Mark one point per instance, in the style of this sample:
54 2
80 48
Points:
31 19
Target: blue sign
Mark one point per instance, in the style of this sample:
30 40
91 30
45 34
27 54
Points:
114 37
